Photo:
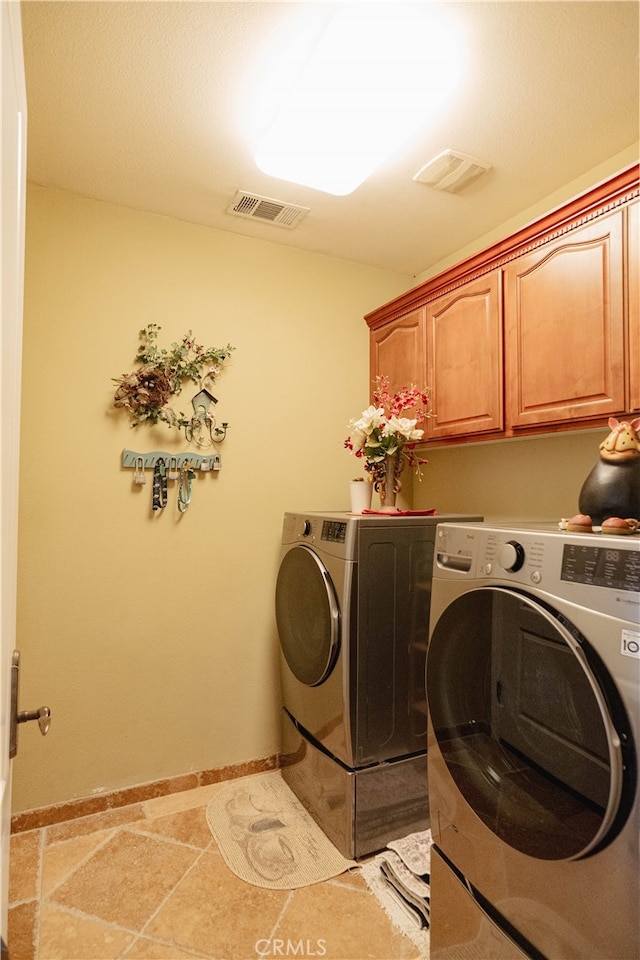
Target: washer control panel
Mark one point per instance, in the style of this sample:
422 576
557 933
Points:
513 553
596 571
606 566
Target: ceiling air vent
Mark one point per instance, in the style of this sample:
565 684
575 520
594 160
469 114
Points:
451 171
266 209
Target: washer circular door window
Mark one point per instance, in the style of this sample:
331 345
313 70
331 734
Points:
529 724
307 615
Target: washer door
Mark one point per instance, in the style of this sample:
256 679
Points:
529 724
307 615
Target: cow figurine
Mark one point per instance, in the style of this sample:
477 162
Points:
612 489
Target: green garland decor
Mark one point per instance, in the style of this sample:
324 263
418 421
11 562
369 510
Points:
145 393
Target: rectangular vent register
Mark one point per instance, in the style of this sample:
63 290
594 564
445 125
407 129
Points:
266 209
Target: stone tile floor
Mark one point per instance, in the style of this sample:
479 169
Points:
146 882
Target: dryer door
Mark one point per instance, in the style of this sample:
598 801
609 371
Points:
307 615
529 724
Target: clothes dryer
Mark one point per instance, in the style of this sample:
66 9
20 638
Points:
532 681
352 608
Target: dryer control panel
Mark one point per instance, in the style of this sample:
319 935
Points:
330 534
334 531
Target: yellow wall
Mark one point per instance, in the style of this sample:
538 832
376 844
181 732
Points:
152 638
538 478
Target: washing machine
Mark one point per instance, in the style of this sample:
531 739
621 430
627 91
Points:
532 679
352 608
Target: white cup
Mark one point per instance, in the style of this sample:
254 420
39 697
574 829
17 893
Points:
361 492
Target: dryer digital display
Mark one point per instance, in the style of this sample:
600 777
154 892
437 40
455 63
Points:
334 531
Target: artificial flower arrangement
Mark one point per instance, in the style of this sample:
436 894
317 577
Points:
146 392
382 432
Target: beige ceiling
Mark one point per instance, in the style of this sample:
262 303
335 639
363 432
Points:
150 105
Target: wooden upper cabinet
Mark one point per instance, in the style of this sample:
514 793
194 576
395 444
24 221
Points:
564 325
633 348
464 359
397 351
538 332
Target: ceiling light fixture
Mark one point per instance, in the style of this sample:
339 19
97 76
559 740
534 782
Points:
375 76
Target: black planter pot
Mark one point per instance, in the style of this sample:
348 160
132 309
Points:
612 490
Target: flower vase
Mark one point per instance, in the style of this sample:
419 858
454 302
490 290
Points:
389 487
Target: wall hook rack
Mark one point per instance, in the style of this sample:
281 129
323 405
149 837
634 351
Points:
173 461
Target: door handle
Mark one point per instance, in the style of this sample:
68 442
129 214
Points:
42 714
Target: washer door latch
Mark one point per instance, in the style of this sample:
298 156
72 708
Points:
42 714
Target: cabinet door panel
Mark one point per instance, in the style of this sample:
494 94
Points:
464 359
634 306
397 352
565 327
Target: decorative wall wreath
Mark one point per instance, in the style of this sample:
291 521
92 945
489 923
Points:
145 393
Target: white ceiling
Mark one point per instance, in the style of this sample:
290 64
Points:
149 105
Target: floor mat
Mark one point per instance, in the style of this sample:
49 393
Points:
268 839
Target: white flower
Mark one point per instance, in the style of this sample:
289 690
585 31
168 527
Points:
403 427
371 418
381 433
358 440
